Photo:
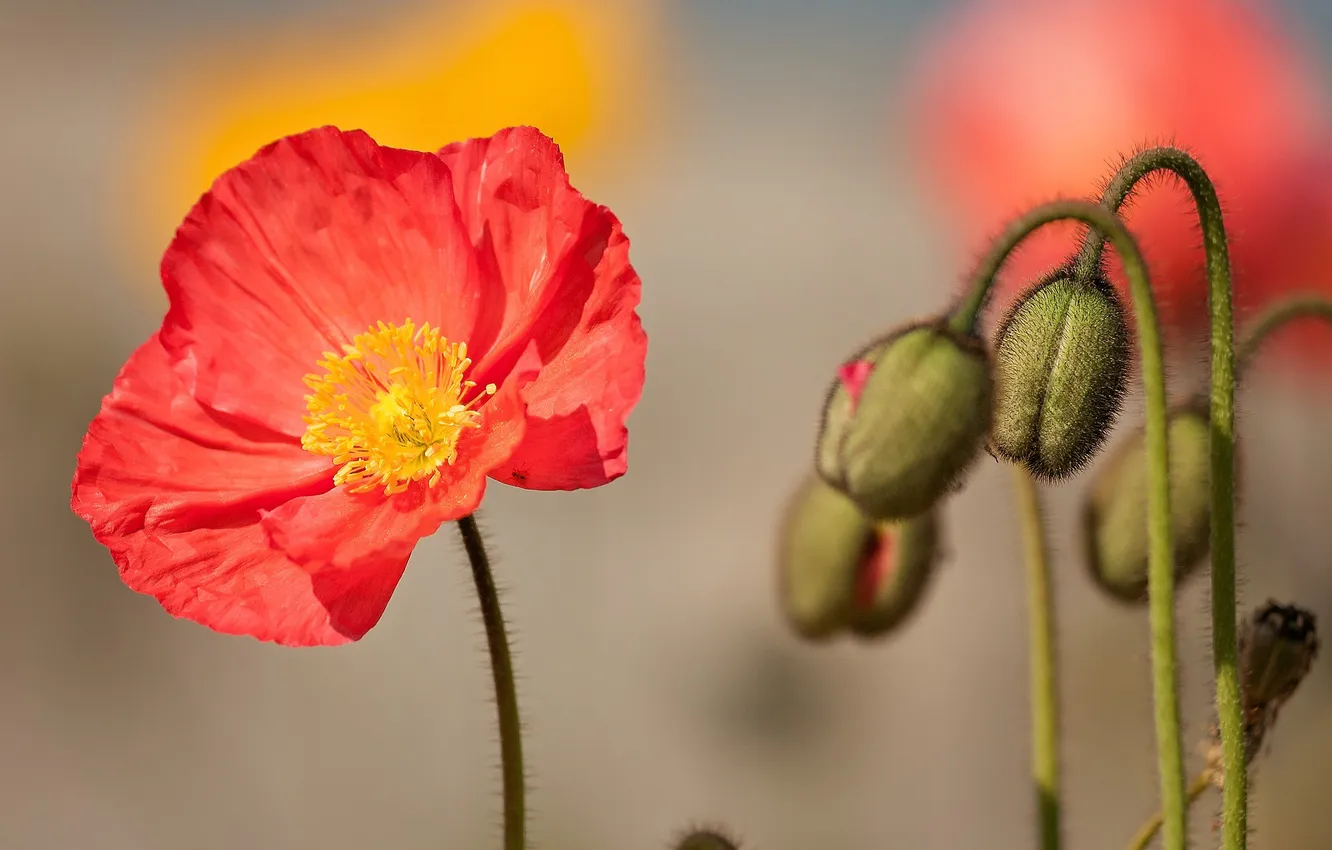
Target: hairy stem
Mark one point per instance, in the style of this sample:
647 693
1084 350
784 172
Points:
1274 319
1160 574
506 695
1222 417
1144 835
1041 660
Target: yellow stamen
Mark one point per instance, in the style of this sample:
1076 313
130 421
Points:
390 409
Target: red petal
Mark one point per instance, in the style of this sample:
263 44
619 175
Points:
875 568
176 493
854 376
313 529
564 265
232 581
292 253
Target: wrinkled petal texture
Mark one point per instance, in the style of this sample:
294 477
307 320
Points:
1020 101
294 252
177 493
193 474
563 265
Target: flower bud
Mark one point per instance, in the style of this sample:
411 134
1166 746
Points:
1115 516
825 540
706 839
1061 364
904 420
841 570
894 574
1277 646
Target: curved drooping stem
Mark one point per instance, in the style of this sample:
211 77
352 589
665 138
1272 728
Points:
1161 576
1274 319
506 695
1041 663
1222 418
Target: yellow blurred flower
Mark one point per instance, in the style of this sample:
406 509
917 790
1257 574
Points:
427 75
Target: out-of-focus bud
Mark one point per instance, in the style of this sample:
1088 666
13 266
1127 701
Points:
706 839
1061 363
895 574
1115 516
843 571
825 540
905 418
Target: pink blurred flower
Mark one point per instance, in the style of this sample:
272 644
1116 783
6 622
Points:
1019 101
1300 264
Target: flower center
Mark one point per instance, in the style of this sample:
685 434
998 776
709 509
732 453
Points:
391 408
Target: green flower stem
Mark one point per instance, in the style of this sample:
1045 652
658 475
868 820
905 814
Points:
1041 660
506 695
1274 319
1144 836
1222 417
1161 577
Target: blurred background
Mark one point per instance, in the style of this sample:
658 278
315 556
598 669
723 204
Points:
796 177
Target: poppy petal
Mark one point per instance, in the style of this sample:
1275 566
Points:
564 264
176 492
577 408
532 232
294 252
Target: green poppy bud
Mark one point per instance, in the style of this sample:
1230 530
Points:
841 570
895 574
1115 516
904 420
825 539
1061 364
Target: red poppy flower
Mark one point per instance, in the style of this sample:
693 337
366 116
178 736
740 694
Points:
1020 101
358 337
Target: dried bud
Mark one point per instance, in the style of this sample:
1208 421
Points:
1061 363
1115 517
1277 646
894 574
706 839
825 539
904 420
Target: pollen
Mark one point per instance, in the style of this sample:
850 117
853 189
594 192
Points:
391 408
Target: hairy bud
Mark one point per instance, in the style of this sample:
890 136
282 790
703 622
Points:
1061 364
706 839
840 570
895 574
904 420
825 539
1115 516
1277 647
